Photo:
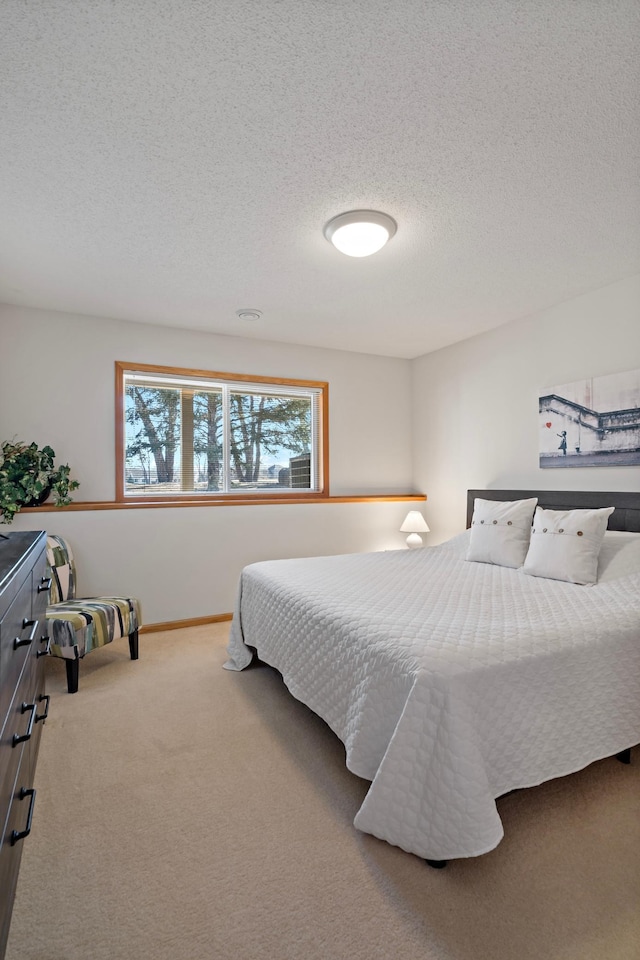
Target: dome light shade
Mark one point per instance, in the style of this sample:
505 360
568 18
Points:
360 233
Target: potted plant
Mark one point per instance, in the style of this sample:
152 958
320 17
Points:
28 477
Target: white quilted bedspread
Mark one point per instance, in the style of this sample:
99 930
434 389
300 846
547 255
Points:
449 682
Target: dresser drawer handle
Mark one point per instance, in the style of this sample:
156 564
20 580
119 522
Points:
17 642
21 834
47 650
43 716
45 584
25 736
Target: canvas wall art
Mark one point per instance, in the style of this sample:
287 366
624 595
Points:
592 423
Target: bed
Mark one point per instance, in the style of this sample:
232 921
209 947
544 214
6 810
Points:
452 682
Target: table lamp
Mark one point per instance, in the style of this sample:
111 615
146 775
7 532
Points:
414 524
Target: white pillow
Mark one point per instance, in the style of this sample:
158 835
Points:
619 555
500 531
565 544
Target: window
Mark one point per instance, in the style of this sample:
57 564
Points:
195 433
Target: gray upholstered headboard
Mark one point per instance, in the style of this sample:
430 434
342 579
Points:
626 515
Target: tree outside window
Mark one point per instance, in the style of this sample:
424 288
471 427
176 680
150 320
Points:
182 433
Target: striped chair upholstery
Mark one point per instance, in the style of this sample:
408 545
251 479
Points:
76 627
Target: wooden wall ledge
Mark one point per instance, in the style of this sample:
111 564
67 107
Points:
219 502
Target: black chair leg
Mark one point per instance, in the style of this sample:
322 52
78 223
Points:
73 669
133 645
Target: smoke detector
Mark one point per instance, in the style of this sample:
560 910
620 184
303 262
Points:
248 314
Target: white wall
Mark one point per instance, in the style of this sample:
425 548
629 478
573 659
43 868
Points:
185 562
57 387
475 404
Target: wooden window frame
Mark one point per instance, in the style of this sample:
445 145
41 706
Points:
175 499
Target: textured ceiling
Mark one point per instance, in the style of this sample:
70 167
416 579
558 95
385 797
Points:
172 161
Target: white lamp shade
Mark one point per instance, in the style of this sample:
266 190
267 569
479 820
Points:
414 522
359 233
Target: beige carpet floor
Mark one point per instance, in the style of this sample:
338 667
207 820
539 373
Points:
187 812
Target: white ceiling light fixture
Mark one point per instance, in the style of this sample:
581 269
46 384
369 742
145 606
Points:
359 233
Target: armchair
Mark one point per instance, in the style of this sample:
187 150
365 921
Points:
76 627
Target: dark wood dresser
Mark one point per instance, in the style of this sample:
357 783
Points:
23 702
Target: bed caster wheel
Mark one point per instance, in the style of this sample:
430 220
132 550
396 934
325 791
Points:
438 864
